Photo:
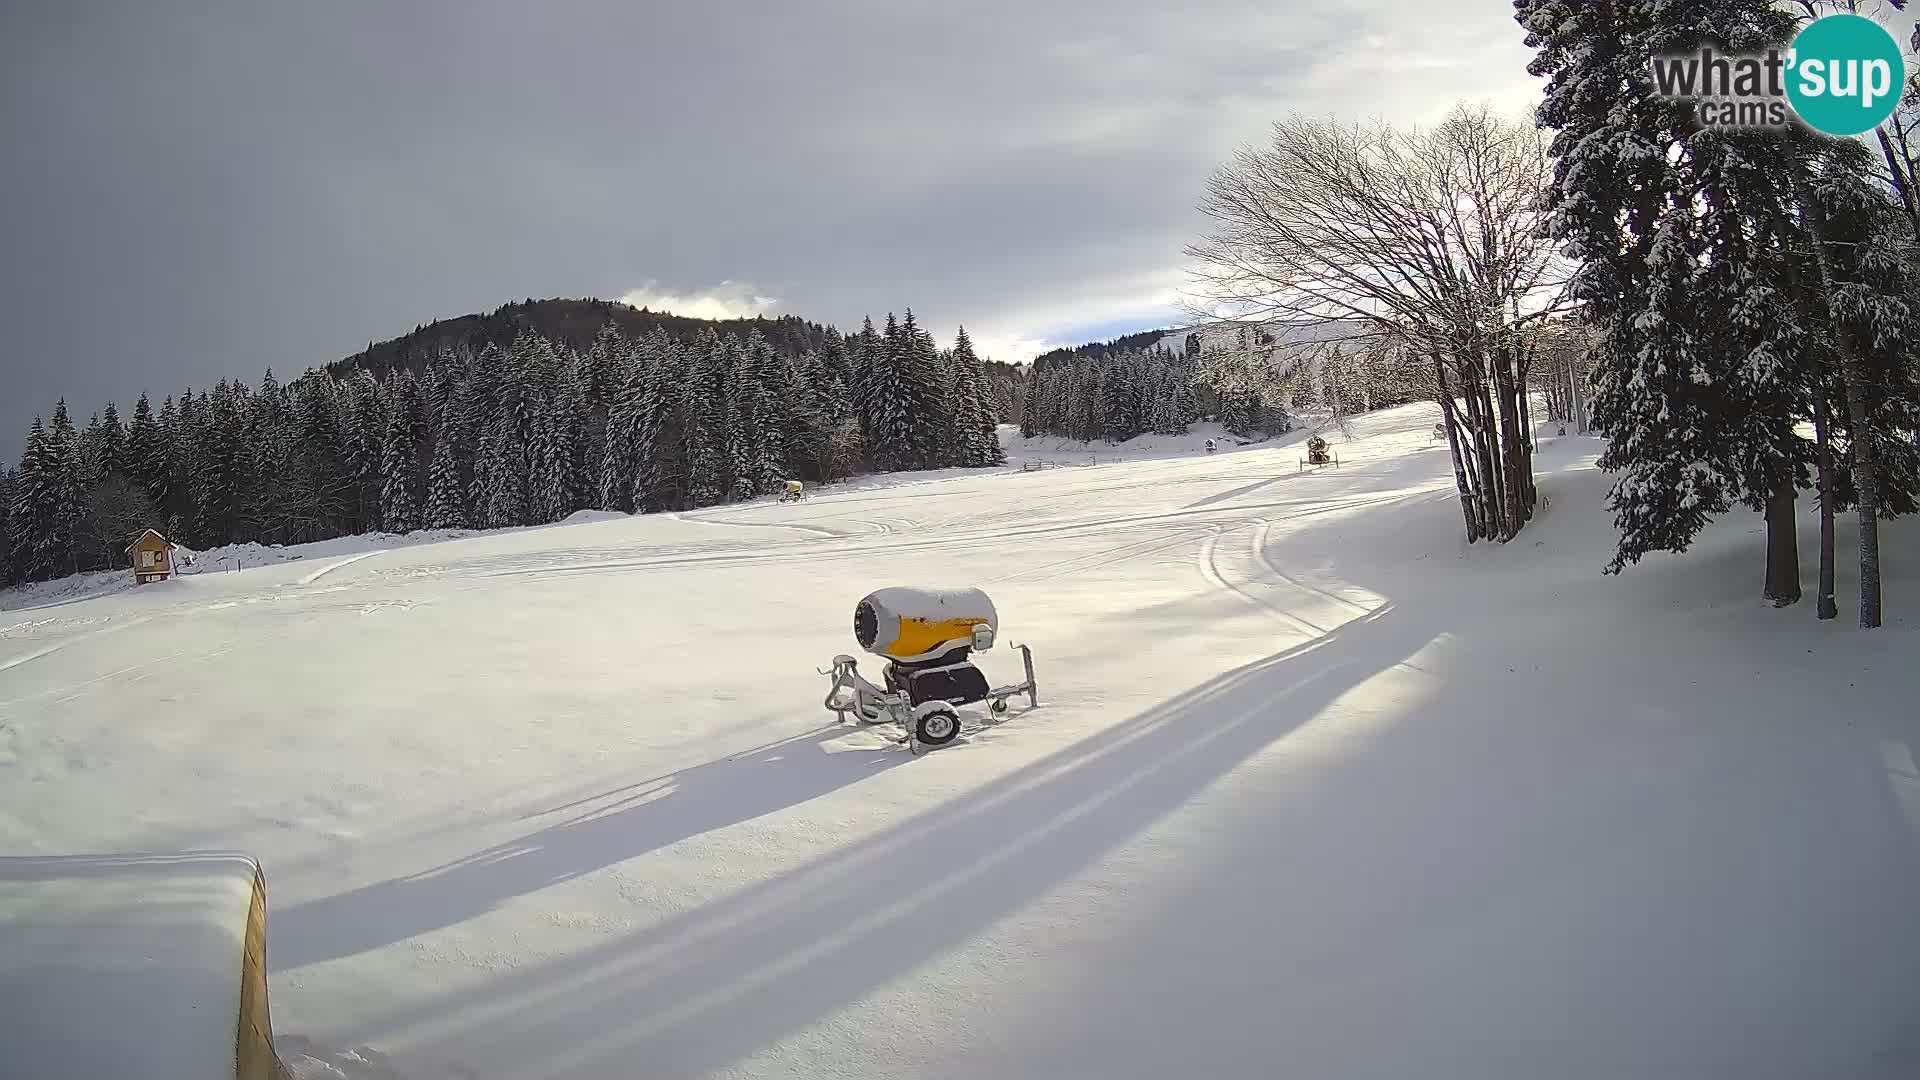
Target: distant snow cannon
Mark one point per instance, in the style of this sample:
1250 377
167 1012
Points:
926 637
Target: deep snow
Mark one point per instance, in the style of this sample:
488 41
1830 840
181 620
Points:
1315 789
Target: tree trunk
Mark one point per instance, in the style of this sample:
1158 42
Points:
1824 605
1902 181
1576 400
1444 396
1865 464
1486 454
1783 549
1517 440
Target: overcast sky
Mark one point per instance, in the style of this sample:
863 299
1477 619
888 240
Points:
196 190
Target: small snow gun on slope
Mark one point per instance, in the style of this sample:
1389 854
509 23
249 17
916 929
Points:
926 637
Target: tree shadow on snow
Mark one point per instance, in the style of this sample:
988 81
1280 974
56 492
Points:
712 986
590 834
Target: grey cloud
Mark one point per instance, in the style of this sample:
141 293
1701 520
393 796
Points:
197 190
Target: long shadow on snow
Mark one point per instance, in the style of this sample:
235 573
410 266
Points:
593 834
714 985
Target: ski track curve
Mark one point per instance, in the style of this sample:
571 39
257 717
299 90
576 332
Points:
1209 563
55 647
332 566
1260 552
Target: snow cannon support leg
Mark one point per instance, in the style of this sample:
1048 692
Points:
997 697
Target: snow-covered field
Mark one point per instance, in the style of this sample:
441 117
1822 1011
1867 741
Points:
1314 789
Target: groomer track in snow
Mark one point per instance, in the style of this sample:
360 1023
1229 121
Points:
1314 790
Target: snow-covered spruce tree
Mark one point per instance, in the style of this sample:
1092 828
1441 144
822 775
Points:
146 456
619 460
399 490
1030 418
406 437
834 380
363 415
803 426
433 396
228 495
92 453
548 455
66 492
581 428
703 425
864 350
888 401
113 443
920 383
177 502
10 569
1691 365
38 547
979 430
734 427
474 400
319 495
660 441
503 498
268 453
765 412
446 495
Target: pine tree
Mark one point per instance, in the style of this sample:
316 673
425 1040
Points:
772 404
65 499
37 549
926 407
977 426
659 440
864 353
365 424
1692 380
446 496
548 454
577 433
399 502
145 459
703 427
11 572
177 501
400 498
620 460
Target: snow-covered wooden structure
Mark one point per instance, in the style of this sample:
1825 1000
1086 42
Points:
152 556
152 966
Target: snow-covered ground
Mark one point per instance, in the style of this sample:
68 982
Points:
1314 788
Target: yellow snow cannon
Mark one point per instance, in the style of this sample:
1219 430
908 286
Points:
926 637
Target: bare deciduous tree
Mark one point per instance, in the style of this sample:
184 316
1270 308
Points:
1427 239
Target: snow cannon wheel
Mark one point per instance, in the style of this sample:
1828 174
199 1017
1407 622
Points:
998 706
937 727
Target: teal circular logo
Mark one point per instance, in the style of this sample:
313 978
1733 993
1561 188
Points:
1845 74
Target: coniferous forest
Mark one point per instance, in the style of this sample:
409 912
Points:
489 430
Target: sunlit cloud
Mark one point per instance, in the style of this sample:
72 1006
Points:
727 300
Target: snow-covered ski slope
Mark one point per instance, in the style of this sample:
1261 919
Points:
1315 789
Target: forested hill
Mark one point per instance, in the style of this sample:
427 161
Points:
568 324
1144 340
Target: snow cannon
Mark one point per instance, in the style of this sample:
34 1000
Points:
926 637
908 625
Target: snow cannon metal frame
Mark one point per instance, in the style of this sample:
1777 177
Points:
926 637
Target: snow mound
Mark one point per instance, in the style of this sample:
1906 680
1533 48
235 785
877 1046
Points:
582 517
